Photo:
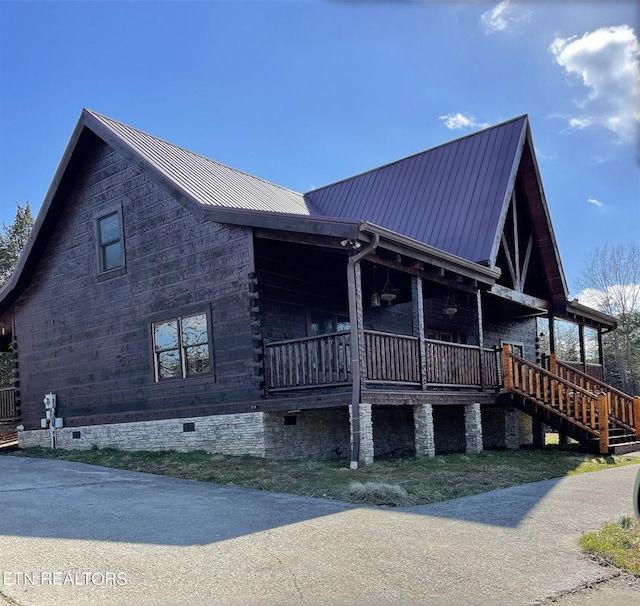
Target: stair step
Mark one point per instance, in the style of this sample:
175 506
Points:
622 439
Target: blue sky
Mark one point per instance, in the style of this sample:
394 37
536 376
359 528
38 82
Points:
306 93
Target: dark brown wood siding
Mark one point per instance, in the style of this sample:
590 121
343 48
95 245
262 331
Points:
87 338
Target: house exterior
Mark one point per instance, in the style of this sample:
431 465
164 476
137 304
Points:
169 301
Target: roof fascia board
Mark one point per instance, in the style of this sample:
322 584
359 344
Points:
10 286
325 226
547 214
508 193
583 312
428 254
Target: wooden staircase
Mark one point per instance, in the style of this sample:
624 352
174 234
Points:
595 414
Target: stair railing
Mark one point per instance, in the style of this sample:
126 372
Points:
559 396
624 410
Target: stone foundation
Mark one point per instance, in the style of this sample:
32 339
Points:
233 434
393 431
308 434
449 428
422 430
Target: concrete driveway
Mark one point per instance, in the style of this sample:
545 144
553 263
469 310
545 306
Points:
74 533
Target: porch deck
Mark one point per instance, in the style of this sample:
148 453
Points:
391 362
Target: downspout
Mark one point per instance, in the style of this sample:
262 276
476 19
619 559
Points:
355 348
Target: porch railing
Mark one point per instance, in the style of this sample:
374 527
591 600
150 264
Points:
310 362
8 404
391 359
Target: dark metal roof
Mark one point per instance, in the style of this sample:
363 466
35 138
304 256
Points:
210 183
450 197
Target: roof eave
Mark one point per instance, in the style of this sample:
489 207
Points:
593 316
433 256
309 224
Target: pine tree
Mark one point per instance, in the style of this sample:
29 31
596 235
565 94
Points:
12 240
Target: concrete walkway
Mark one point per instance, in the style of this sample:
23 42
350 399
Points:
74 533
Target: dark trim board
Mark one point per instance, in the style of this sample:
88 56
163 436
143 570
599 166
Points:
435 398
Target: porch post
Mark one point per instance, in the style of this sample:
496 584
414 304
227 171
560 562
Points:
539 434
583 356
473 428
354 288
600 349
356 321
511 428
418 326
483 377
365 435
424 432
552 333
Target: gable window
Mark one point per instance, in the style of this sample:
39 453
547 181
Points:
110 246
181 347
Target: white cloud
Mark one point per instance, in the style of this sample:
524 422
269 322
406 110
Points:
613 298
457 121
502 16
605 62
580 123
595 202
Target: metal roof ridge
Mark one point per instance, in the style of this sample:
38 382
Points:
419 153
106 119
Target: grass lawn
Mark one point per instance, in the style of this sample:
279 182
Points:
396 482
616 544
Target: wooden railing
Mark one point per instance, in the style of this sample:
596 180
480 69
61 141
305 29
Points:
8 404
556 394
451 364
492 368
309 362
392 359
624 410
595 371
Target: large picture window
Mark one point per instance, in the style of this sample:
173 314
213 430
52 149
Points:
110 242
181 347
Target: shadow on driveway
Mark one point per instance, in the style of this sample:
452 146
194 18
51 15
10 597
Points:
62 499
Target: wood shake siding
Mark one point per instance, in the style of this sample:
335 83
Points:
87 338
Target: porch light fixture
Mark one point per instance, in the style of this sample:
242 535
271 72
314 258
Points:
450 308
389 292
355 244
375 297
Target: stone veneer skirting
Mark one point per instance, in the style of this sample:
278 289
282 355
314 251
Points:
419 429
233 434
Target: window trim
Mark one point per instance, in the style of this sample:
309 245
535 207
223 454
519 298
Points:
514 344
178 314
104 274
